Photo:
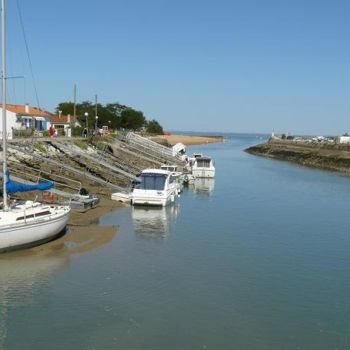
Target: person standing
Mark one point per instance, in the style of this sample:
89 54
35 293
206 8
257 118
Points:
52 131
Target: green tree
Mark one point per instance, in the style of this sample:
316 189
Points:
114 115
132 119
65 107
153 127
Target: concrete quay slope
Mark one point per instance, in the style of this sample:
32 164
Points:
323 156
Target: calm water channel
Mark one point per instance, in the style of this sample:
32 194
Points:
257 260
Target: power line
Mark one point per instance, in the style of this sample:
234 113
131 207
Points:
28 53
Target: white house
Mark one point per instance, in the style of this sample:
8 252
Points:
11 123
62 123
22 117
343 139
29 117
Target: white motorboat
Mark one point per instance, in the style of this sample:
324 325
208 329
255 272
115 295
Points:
155 187
30 223
203 166
176 176
171 168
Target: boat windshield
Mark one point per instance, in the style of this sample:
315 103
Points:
152 181
168 168
203 163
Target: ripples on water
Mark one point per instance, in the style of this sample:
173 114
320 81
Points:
257 259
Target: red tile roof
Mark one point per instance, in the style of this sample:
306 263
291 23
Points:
63 119
37 112
21 110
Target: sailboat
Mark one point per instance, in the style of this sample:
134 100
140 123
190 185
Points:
29 223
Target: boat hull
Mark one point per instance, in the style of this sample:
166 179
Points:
203 173
29 234
152 199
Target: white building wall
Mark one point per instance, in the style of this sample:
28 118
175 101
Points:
11 123
344 139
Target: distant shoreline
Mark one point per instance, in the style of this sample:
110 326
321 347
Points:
191 139
327 157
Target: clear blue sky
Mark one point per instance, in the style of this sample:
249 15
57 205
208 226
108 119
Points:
240 66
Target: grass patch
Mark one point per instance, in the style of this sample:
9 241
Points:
81 144
40 147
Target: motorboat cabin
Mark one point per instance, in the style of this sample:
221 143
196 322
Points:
171 168
197 155
154 187
203 167
176 175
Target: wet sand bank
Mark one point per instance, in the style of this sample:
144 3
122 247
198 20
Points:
191 139
83 234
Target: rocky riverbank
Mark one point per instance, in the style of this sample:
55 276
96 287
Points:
101 165
323 156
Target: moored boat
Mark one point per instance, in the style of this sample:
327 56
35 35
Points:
203 166
28 223
155 187
31 223
176 175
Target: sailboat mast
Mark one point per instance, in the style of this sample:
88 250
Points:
3 78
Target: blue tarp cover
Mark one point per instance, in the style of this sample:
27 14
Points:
12 187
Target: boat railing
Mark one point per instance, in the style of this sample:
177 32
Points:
39 175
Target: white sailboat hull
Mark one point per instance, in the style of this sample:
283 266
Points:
29 223
32 232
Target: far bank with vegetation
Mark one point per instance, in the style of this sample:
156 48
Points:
335 157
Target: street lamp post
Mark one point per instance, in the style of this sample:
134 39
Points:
86 121
96 124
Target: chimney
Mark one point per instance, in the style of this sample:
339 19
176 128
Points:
26 108
68 118
59 114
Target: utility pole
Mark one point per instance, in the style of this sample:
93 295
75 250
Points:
96 117
95 106
75 102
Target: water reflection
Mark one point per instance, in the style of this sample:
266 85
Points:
204 186
20 277
24 273
154 222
